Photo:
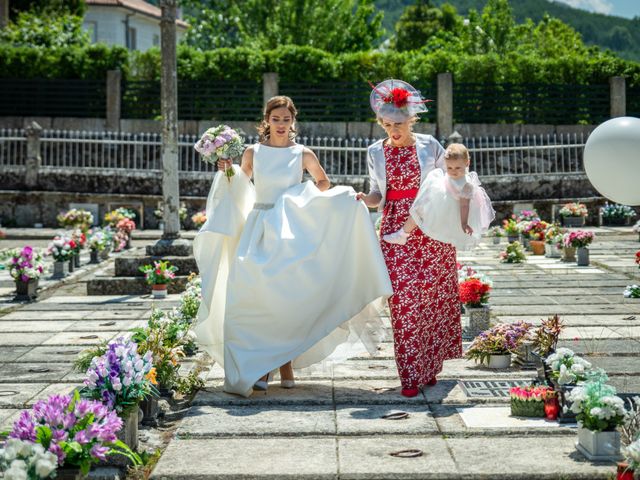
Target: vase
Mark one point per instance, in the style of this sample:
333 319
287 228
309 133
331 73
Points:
542 369
479 320
615 221
128 434
568 254
551 250
537 247
624 471
72 265
59 269
499 361
598 446
76 260
565 415
159 291
26 291
94 256
512 238
104 254
496 240
572 222
128 244
149 407
583 257
525 356
69 473
525 241
551 408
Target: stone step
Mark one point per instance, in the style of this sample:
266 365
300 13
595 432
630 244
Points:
129 266
129 285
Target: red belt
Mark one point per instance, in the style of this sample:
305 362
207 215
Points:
402 194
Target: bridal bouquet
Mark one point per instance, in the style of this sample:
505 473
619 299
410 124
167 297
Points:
220 142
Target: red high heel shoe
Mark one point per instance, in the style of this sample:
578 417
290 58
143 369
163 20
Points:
410 392
432 382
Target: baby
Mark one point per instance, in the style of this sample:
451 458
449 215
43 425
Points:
450 207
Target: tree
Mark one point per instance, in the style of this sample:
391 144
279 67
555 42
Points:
331 25
47 7
31 29
417 24
620 38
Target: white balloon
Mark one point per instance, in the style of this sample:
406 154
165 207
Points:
612 160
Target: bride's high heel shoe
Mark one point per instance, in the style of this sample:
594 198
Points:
287 382
262 385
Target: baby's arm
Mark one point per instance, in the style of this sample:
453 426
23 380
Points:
464 216
409 225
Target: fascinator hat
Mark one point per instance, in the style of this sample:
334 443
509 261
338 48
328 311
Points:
396 100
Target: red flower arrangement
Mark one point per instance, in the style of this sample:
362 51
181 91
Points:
474 292
398 96
638 258
126 225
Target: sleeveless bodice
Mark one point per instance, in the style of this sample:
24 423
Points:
275 170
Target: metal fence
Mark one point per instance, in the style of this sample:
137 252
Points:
141 152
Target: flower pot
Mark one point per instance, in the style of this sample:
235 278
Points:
527 408
76 260
59 269
543 370
149 407
583 257
499 361
615 221
479 320
599 446
525 356
551 408
159 291
128 245
565 415
624 471
525 241
512 238
537 246
94 256
69 473
568 254
72 265
104 254
26 291
573 222
496 240
551 250
128 434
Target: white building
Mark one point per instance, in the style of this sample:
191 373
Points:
134 24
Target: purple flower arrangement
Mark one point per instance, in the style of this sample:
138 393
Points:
78 432
499 340
24 264
120 378
220 142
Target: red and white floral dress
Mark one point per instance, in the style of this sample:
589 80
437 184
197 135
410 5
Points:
425 305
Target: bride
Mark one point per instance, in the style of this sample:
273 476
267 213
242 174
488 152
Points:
292 273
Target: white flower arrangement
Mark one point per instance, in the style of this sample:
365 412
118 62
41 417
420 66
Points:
22 460
568 367
631 291
596 405
631 454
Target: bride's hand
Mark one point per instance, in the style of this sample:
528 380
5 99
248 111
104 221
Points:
222 164
361 196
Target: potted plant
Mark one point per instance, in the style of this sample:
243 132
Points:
158 213
80 240
510 228
77 431
159 276
514 253
553 241
113 217
599 412
544 342
528 401
474 295
535 231
60 250
495 346
76 218
573 214
97 243
567 370
631 291
613 214
121 379
25 266
27 460
579 240
199 218
126 226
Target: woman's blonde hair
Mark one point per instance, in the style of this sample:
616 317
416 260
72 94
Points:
457 151
414 120
273 103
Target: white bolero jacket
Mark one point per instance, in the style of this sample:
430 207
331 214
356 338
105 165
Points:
430 155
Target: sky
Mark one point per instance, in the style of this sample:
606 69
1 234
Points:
619 8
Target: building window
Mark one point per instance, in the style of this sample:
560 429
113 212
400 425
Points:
91 28
132 43
156 40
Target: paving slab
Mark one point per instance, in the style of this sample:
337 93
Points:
6 418
491 416
248 458
33 326
368 458
104 324
371 392
44 354
33 372
380 420
11 353
57 314
19 395
305 393
25 339
81 338
206 421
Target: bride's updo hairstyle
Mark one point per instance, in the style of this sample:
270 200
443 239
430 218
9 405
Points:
272 104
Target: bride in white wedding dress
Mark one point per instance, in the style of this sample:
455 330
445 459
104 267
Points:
292 273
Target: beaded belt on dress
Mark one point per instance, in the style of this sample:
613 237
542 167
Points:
402 194
263 206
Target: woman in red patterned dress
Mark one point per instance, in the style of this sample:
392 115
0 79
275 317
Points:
425 305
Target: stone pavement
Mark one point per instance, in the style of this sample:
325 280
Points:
331 425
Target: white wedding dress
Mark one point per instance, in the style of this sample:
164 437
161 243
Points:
288 272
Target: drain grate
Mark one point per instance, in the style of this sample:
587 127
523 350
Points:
489 388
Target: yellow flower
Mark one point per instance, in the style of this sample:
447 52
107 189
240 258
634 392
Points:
151 376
